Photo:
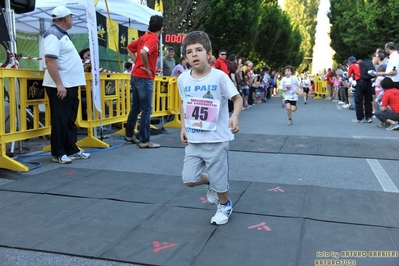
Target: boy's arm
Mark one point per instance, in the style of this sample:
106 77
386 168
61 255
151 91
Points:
183 133
233 121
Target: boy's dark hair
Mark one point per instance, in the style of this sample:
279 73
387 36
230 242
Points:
387 83
156 23
381 55
128 65
197 37
81 53
290 68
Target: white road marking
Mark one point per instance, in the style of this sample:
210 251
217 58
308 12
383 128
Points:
373 137
383 178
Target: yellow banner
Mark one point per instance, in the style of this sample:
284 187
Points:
113 33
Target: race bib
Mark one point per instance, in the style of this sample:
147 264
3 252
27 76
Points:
201 113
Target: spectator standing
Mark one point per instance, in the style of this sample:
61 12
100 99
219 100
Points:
144 53
363 93
63 75
168 62
393 63
180 68
329 84
220 63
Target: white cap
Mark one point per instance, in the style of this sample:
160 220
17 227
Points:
61 12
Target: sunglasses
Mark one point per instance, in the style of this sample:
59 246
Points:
223 54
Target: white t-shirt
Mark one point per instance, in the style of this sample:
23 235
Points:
306 83
393 63
217 87
58 45
291 84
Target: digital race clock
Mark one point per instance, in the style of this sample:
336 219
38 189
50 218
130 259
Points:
172 38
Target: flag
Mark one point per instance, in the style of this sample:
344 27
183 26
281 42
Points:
123 39
92 27
158 6
113 29
101 30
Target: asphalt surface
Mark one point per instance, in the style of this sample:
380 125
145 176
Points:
318 118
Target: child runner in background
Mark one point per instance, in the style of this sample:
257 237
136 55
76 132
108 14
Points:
305 87
289 85
206 127
336 83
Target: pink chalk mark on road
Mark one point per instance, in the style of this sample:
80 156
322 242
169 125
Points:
158 247
276 189
68 173
262 149
303 137
269 139
300 145
260 226
203 200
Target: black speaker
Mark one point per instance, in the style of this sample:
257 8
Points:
20 6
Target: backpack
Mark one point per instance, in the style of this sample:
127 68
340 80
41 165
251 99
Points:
364 67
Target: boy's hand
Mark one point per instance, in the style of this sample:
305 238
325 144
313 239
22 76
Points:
233 124
183 137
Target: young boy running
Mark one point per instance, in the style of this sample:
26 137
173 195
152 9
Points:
289 85
206 127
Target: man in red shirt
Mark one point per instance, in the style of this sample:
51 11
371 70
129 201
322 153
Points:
329 84
363 93
389 109
144 53
220 63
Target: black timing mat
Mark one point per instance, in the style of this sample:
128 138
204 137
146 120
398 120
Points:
156 220
306 145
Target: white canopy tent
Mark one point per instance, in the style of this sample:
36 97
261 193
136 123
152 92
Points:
127 13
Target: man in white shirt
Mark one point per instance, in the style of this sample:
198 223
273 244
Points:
63 76
393 63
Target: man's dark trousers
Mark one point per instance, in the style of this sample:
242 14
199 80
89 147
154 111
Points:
363 95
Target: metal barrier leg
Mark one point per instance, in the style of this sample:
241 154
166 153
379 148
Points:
91 142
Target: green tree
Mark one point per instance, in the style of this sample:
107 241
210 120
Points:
303 13
232 25
360 26
278 41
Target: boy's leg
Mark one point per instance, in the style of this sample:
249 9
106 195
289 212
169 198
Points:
216 157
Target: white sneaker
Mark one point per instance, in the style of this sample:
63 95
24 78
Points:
62 159
222 213
340 102
79 155
211 195
345 106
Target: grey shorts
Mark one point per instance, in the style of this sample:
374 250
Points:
211 158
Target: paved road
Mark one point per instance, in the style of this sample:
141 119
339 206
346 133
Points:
318 118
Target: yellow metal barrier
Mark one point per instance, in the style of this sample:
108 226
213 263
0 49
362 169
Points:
26 93
320 89
165 102
166 91
115 106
